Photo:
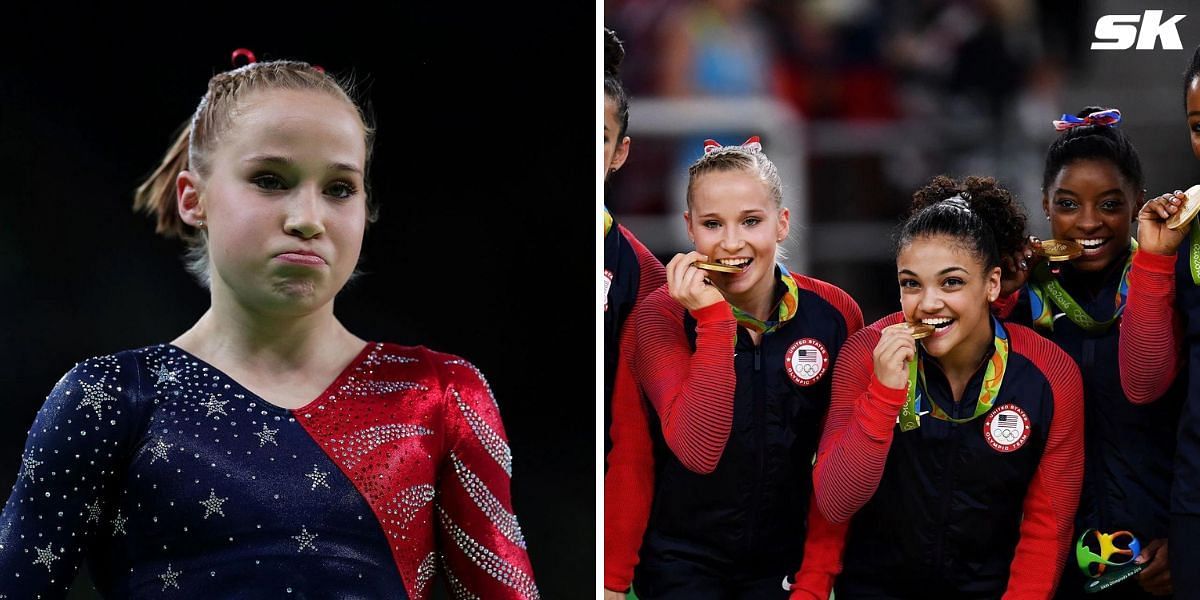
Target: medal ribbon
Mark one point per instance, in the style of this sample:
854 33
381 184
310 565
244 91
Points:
784 310
989 390
1194 256
1046 286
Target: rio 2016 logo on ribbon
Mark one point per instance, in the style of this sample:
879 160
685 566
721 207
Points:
1119 32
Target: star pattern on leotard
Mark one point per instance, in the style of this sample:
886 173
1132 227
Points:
94 396
196 419
118 524
29 463
318 477
266 435
160 450
165 375
170 578
305 538
214 405
93 510
213 504
45 556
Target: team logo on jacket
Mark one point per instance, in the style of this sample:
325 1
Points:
1006 428
607 281
806 361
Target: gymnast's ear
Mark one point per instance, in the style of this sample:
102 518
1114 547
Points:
187 194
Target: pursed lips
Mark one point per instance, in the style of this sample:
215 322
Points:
306 257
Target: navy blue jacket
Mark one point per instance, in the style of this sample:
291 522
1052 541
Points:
747 515
1129 449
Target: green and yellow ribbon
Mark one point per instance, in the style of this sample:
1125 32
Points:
1045 290
783 311
1194 255
910 413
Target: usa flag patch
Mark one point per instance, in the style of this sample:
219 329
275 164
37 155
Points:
1006 428
806 360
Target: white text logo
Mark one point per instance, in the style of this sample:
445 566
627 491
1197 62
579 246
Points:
1120 31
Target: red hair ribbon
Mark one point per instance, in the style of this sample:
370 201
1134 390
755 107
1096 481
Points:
754 144
243 53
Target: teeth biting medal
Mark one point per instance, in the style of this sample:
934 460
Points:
1060 250
715 266
921 330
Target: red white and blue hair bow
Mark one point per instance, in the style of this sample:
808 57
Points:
1107 118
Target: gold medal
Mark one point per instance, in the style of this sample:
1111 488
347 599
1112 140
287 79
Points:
921 330
1060 250
718 267
1188 211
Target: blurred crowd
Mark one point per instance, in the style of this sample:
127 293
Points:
850 59
955 86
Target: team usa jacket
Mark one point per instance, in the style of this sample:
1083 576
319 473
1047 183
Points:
736 429
630 273
1129 449
953 510
1162 318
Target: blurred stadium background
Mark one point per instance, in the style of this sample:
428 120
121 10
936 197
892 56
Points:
859 102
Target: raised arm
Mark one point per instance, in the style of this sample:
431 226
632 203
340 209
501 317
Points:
692 392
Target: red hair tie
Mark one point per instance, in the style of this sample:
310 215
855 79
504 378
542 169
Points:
243 53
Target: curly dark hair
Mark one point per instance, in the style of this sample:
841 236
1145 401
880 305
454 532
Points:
614 54
979 213
1093 142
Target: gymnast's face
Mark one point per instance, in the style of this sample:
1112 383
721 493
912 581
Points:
284 203
1193 114
734 220
943 283
1090 202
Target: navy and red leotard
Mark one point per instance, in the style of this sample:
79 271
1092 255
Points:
172 480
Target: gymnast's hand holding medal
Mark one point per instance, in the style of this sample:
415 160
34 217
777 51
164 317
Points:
690 285
1164 221
896 348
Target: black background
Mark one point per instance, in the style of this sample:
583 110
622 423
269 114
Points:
484 168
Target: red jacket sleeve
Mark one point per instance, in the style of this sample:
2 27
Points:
858 429
691 392
824 540
1053 495
822 556
629 480
1151 329
652 273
